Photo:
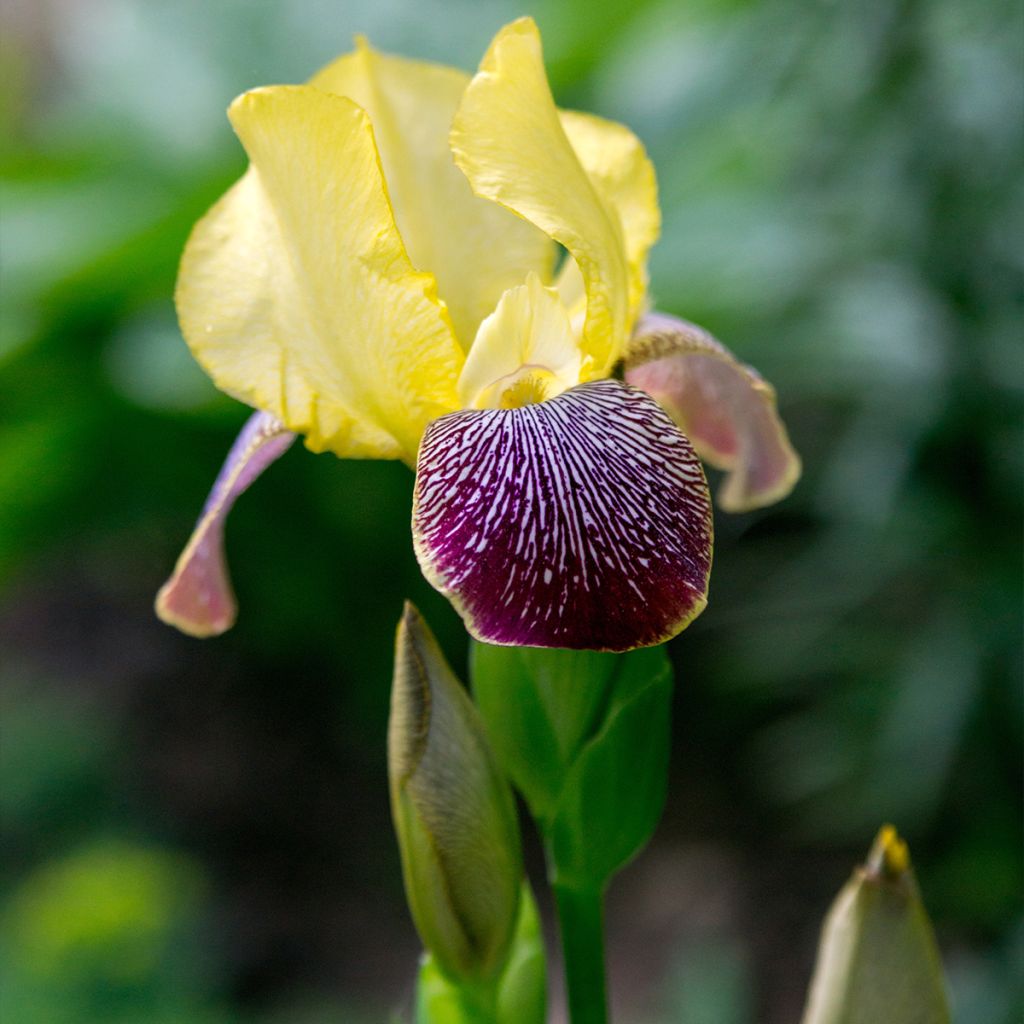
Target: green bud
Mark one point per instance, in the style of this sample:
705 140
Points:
877 959
613 793
540 706
585 738
453 814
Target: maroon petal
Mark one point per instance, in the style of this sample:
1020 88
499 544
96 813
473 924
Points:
581 522
725 408
198 598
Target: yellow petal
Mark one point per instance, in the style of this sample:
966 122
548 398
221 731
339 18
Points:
525 346
474 248
509 141
617 164
296 294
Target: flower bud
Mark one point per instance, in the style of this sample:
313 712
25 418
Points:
877 959
453 813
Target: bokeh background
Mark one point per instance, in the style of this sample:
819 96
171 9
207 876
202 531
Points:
198 831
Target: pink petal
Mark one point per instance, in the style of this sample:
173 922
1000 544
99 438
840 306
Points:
726 409
198 598
580 522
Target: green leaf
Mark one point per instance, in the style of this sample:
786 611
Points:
613 795
877 959
522 990
438 1000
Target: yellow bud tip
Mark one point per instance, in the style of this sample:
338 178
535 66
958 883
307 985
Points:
410 615
889 856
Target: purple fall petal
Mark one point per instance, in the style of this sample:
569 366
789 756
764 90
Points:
726 408
581 522
198 598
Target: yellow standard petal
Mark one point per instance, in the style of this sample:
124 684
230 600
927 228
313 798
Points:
524 352
620 170
295 291
509 141
474 248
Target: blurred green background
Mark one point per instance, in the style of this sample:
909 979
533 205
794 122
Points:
198 831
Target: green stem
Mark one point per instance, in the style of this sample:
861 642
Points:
440 998
581 919
479 1005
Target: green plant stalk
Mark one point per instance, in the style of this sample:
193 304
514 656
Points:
581 922
479 1002
585 737
441 1000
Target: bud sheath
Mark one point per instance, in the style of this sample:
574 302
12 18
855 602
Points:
453 814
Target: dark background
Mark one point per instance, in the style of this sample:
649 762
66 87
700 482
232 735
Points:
199 831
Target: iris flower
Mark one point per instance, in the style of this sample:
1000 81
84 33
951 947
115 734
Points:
451 271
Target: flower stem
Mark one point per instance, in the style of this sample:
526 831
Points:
479 1004
581 920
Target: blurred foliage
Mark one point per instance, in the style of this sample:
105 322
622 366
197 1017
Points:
101 935
843 206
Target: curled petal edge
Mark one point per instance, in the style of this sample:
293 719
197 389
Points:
725 408
581 522
198 598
